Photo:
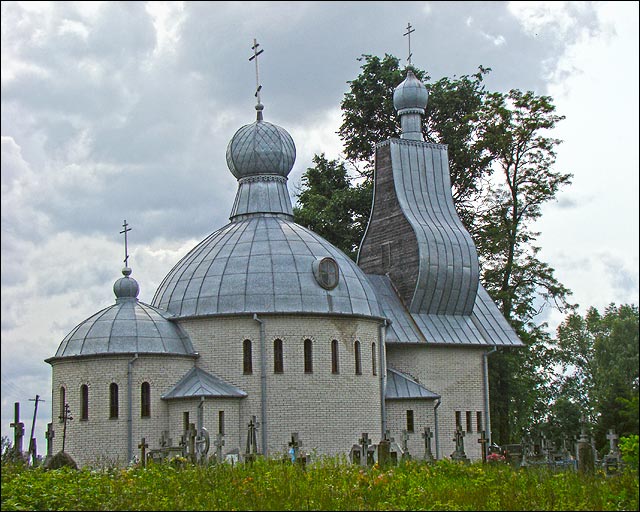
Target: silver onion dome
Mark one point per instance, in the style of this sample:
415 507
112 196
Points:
410 94
261 148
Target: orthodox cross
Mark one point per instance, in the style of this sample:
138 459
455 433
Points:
143 451
409 31
484 441
18 427
125 230
255 56
252 440
49 435
66 417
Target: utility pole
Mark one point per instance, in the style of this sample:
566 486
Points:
33 451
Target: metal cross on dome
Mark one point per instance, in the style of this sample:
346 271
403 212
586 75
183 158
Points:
125 230
255 56
409 31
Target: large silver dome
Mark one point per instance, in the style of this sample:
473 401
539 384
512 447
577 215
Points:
264 264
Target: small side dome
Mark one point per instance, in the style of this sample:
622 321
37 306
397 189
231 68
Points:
261 148
126 287
410 94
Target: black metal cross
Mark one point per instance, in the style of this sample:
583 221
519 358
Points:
255 56
409 31
66 416
125 231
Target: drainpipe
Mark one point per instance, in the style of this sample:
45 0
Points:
487 417
383 376
130 409
263 385
435 420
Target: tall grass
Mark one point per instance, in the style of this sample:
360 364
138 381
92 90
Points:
327 484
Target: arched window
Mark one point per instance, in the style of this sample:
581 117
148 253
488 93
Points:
308 356
84 402
334 357
356 351
63 401
247 361
145 400
374 370
278 363
113 400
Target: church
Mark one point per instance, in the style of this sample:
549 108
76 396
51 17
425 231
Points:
265 328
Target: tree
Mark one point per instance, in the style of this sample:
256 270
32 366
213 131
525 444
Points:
511 129
599 358
332 206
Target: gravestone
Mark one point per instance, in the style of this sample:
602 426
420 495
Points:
49 435
143 452
459 454
18 432
586 459
294 450
427 435
385 455
251 450
611 461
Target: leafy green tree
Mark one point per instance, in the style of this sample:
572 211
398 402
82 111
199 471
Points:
332 206
599 358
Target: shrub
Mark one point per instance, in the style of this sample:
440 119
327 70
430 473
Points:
629 450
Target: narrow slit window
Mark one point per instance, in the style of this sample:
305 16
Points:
185 421
221 422
469 424
145 400
247 360
278 360
334 357
308 356
374 369
356 350
113 400
458 419
478 421
410 420
84 402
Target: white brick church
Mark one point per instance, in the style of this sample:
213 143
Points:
264 318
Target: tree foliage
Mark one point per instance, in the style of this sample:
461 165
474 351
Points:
598 354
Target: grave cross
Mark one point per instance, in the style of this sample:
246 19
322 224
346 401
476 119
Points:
66 417
18 432
219 443
405 449
294 446
49 435
252 439
143 451
364 448
427 435
484 442
613 442
409 31
459 454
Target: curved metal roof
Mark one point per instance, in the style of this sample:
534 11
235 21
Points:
128 326
263 264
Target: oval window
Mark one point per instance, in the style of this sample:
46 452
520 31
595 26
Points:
326 272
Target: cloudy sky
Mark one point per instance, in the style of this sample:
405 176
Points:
123 110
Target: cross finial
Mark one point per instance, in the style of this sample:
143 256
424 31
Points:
409 31
125 231
255 56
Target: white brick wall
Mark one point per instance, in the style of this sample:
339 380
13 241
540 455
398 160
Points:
456 374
